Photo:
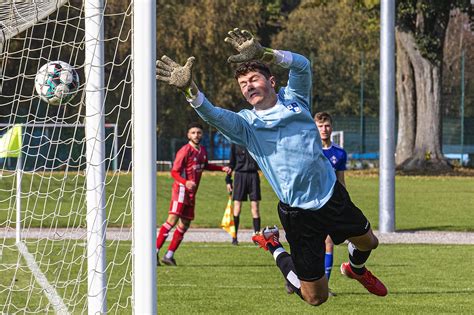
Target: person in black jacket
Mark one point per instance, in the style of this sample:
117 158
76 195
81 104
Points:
246 182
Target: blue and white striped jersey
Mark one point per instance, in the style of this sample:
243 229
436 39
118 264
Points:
283 140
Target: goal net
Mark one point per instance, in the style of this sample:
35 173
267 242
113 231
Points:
66 180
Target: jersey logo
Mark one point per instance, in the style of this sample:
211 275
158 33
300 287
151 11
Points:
293 107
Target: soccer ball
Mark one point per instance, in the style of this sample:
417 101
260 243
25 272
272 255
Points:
56 82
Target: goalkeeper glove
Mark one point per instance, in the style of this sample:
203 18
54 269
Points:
181 77
249 48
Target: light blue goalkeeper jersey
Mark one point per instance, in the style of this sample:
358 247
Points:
283 140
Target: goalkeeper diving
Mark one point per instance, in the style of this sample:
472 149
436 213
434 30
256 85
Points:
280 134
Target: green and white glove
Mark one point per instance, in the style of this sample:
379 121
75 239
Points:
248 47
181 77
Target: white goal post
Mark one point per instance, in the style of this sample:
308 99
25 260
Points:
71 240
337 137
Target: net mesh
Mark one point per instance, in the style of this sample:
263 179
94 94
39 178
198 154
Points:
47 271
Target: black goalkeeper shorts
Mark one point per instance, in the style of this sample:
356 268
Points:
306 230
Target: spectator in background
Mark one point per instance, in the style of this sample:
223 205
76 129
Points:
338 158
190 162
246 183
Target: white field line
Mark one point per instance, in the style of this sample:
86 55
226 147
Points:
48 289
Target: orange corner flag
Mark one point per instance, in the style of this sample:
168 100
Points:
228 219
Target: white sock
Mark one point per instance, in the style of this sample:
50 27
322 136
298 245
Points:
169 254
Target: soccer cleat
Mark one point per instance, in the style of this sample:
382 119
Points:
368 280
158 260
267 236
235 241
168 261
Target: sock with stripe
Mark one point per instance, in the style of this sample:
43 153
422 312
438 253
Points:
285 263
178 236
328 261
357 259
163 235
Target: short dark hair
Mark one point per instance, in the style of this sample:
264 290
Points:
194 125
252 66
322 117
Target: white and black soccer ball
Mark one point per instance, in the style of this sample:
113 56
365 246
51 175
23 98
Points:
56 82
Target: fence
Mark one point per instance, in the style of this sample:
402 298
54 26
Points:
354 143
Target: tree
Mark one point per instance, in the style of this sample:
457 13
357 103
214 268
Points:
420 33
335 35
198 28
459 40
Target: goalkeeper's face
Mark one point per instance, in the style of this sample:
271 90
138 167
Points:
258 90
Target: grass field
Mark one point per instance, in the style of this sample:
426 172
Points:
221 279
217 278
422 203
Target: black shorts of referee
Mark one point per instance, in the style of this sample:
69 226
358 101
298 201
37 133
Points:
306 230
246 184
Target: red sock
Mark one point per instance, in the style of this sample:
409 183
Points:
177 238
163 234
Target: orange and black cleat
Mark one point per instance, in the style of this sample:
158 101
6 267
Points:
267 236
367 279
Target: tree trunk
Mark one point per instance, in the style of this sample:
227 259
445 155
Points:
406 99
427 153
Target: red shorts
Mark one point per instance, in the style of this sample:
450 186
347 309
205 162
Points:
182 204
181 210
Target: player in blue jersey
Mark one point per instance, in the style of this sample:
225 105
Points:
337 156
281 136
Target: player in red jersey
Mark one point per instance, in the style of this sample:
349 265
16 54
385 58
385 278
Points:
187 169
